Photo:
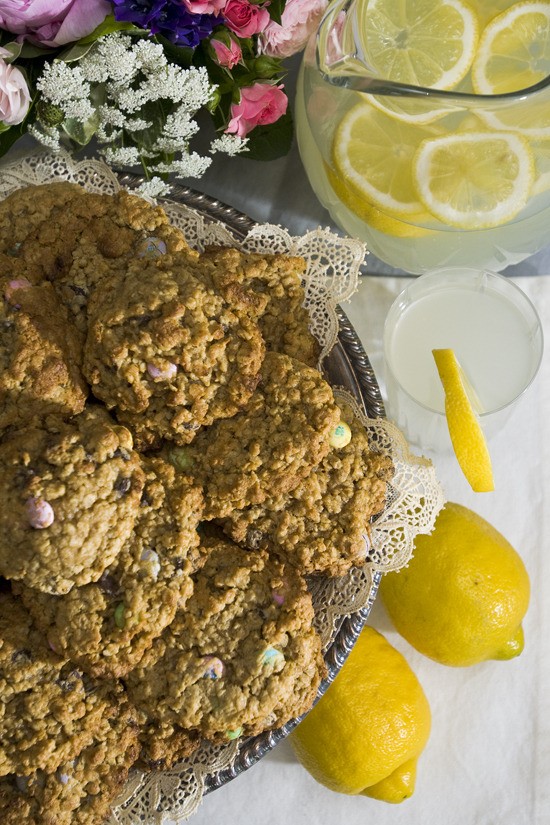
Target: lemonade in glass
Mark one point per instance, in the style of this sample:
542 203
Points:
424 128
492 328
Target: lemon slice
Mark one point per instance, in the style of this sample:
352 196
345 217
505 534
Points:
428 43
474 180
514 49
467 437
514 54
487 9
373 154
375 218
410 110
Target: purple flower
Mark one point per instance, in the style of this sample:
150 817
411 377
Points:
169 18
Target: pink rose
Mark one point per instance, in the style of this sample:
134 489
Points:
259 105
14 93
227 56
52 22
244 18
204 6
299 20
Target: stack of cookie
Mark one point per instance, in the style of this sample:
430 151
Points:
172 466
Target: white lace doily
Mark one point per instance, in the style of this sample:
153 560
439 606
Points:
414 496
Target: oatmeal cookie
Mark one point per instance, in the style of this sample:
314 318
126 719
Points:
40 354
168 354
242 657
70 492
48 710
75 238
25 209
322 526
269 447
284 320
131 230
80 791
105 626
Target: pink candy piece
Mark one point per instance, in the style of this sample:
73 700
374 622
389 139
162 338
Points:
39 512
213 667
158 373
14 285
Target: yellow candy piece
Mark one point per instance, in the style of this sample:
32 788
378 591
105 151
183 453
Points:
340 436
465 430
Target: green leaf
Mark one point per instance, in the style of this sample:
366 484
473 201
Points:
81 131
267 67
75 53
276 9
27 51
14 49
109 26
270 142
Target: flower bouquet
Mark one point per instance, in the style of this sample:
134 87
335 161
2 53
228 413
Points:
142 77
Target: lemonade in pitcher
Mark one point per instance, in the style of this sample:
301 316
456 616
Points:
424 128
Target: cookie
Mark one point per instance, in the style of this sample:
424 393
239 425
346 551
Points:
322 526
49 711
130 230
80 791
167 354
25 209
269 447
242 657
88 238
105 626
284 320
70 492
40 353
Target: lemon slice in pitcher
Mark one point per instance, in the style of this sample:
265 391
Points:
467 437
474 180
514 49
514 54
373 154
429 43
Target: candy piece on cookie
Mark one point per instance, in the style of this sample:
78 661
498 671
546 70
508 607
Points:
55 474
262 661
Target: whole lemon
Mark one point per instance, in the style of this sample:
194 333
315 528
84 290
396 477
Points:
462 598
366 733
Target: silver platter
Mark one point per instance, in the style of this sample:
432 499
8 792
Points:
346 366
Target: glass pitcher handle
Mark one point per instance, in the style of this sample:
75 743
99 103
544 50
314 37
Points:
340 55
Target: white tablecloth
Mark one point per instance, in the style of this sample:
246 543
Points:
488 758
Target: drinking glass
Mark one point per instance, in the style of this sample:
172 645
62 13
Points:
336 76
496 335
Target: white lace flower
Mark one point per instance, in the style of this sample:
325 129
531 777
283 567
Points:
112 58
189 166
228 144
120 155
60 83
79 110
47 136
149 56
154 188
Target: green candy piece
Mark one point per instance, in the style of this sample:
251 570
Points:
120 610
181 459
234 734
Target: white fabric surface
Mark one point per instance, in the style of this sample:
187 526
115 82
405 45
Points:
488 757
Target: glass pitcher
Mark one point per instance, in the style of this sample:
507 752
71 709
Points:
429 176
